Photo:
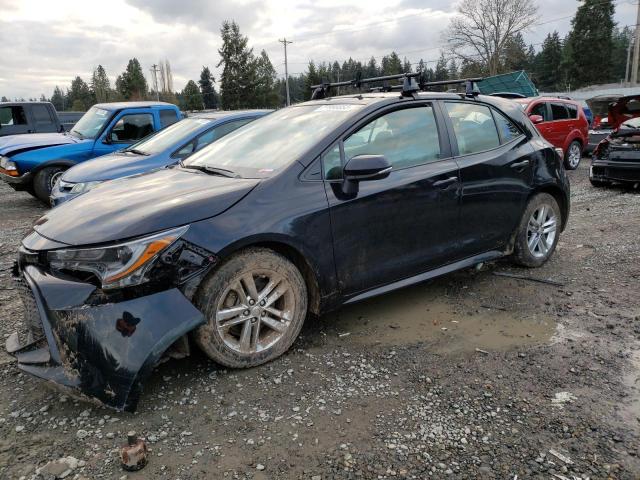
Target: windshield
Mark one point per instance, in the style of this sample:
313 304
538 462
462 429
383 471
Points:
91 123
270 143
169 136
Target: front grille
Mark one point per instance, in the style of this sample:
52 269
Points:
627 174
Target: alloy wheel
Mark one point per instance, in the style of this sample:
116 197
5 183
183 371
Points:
255 311
54 179
541 231
574 155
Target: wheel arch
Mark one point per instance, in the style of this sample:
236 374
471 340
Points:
60 162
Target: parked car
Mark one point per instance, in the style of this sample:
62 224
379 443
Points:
18 118
617 157
34 162
317 205
562 122
599 128
161 149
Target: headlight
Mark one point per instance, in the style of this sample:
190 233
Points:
9 167
83 187
119 265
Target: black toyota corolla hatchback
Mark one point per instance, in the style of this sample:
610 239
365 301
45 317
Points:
317 205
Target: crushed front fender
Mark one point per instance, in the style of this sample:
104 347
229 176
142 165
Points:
104 351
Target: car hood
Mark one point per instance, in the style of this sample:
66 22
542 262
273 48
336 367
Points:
114 165
31 141
625 108
142 204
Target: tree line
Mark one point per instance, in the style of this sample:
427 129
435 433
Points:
486 38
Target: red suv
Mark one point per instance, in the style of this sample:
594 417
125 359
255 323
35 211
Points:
562 122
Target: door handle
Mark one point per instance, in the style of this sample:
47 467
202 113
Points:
446 182
521 164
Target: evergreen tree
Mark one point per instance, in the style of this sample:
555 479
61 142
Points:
207 89
58 99
311 78
191 97
371 69
4 99
406 66
515 54
265 95
80 97
591 43
238 67
621 39
131 84
100 85
452 70
441 72
548 65
391 64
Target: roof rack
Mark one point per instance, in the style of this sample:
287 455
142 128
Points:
411 83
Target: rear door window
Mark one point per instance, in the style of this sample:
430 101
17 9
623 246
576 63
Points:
506 128
167 117
12 116
132 127
559 111
41 115
473 126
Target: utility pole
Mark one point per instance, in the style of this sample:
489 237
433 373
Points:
286 69
636 51
154 74
627 79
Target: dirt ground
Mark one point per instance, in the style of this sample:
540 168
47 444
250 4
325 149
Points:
473 375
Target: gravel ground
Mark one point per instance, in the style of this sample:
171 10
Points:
473 375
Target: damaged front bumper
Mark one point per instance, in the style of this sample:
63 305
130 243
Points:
103 350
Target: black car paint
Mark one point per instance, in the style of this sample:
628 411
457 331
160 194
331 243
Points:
393 232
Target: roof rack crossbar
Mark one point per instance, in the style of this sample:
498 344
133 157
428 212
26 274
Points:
411 83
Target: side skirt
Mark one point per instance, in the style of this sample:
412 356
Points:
452 267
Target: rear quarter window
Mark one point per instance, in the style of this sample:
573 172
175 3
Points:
167 117
506 128
573 110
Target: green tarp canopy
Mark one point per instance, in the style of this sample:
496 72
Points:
514 82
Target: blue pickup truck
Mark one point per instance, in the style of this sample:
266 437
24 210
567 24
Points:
34 162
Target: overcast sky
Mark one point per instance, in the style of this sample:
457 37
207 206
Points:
44 43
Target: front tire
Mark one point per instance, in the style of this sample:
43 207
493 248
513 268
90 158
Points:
538 232
44 181
255 305
573 156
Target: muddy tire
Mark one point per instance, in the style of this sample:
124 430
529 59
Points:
44 181
538 232
255 305
573 155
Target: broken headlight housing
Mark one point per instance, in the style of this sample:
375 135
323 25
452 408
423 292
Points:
121 265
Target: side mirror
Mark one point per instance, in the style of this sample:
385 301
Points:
536 119
364 168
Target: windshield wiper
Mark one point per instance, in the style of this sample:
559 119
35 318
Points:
223 172
137 152
81 136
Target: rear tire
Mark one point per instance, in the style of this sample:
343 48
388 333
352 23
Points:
573 155
538 232
255 305
44 181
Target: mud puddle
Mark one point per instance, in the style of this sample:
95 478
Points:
424 313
